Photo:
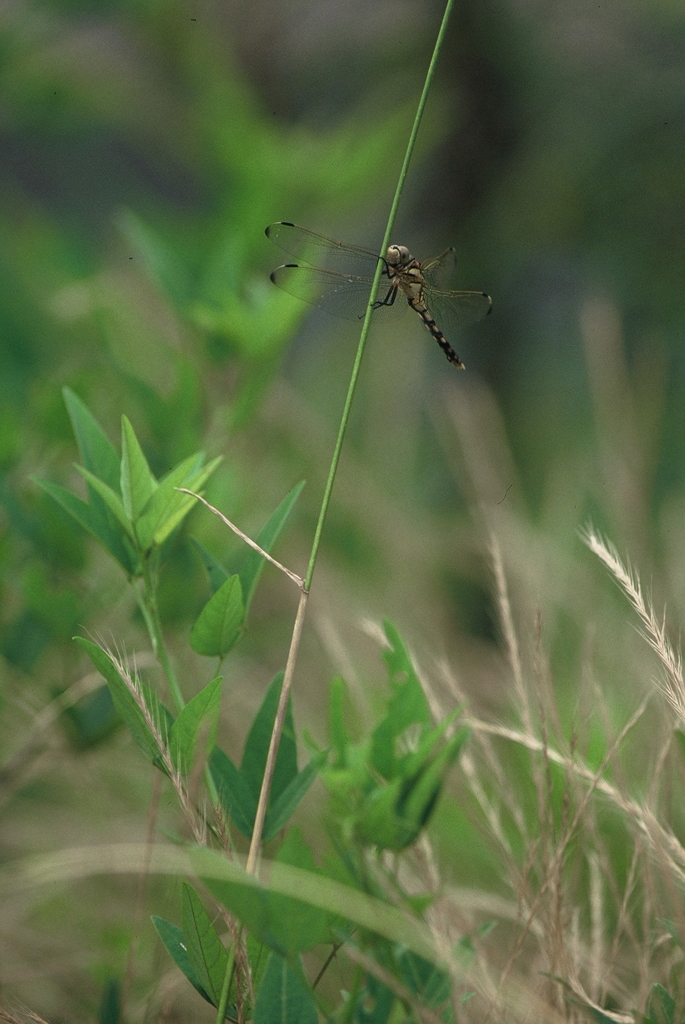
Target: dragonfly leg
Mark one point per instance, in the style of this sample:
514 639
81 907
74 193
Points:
389 298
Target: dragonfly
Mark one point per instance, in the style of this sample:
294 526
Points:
337 278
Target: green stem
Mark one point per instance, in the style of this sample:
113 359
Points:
374 292
226 986
147 602
255 843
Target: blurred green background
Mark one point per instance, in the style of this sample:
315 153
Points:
145 146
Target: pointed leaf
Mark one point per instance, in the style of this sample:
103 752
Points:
407 705
249 901
110 498
96 521
673 930
215 570
110 1004
281 810
661 1007
257 745
137 481
428 982
236 797
394 815
168 507
92 719
283 998
173 939
165 500
253 563
284 923
219 624
193 734
306 925
97 453
205 949
128 707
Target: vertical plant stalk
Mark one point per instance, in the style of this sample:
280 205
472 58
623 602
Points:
260 815
147 602
374 292
226 986
256 841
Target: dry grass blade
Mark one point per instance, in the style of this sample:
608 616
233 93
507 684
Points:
133 684
653 629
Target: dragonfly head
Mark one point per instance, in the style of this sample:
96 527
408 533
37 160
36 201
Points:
398 256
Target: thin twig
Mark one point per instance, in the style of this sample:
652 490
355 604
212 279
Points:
260 816
243 536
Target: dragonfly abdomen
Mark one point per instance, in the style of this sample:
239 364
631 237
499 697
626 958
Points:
420 307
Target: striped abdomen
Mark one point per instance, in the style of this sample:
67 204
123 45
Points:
418 304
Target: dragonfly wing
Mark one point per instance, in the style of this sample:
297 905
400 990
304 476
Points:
455 310
439 271
319 251
342 295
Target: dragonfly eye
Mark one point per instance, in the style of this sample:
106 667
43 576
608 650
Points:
398 255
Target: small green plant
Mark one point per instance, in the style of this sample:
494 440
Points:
383 787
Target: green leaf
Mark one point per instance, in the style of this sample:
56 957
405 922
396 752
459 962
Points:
379 998
258 957
407 705
285 924
110 1004
420 794
250 902
173 939
219 624
253 563
193 734
129 708
429 983
97 453
281 810
111 499
137 482
257 745
235 795
91 719
661 1006
673 930
247 899
306 925
393 816
167 507
96 520
205 949
283 998
215 570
